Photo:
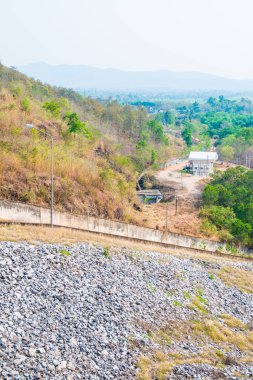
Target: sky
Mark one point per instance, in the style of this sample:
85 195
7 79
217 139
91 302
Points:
211 36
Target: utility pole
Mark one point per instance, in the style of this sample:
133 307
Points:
52 183
166 218
31 126
176 205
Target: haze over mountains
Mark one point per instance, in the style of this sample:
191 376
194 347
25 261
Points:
87 77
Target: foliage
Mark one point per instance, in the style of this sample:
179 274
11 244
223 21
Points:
53 107
153 156
157 131
100 148
228 203
187 135
25 105
225 123
64 252
75 125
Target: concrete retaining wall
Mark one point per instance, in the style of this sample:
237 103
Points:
23 213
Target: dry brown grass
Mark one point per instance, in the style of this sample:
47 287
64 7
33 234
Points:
84 181
34 234
237 277
228 333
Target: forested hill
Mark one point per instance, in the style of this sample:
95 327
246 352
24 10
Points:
81 76
99 148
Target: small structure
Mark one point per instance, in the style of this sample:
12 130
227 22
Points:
149 196
201 163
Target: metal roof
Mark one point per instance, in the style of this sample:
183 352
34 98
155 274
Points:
150 192
205 156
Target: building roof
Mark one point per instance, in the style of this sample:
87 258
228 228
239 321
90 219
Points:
151 192
205 156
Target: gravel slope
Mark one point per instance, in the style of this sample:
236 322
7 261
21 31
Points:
73 317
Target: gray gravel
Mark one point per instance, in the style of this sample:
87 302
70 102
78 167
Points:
73 317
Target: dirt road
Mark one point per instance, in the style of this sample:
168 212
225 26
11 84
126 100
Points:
184 218
182 183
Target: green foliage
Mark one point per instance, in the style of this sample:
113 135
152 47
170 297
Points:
169 118
141 144
187 295
5 146
229 123
64 252
187 135
106 252
222 217
178 304
76 126
25 105
15 89
53 107
227 152
153 156
228 204
27 196
157 131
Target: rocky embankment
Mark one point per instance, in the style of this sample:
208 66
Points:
82 312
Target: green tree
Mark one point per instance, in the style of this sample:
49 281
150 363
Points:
227 153
153 156
187 135
76 126
53 107
25 105
169 118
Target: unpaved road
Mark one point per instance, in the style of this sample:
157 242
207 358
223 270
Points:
184 184
185 219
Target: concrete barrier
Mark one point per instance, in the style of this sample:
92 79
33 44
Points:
24 213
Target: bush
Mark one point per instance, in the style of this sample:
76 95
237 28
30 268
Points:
228 204
76 126
221 217
25 105
208 228
53 107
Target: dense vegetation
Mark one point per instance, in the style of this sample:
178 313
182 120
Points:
228 205
99 148
220 122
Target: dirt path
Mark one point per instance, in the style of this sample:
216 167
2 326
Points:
182 183
188 188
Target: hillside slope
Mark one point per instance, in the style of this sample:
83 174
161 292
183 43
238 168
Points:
99 149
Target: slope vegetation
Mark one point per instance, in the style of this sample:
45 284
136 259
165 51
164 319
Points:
99 149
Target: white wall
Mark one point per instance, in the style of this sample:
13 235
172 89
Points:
23 213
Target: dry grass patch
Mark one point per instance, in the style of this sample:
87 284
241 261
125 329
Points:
232 321
34 234
198 303
227 334
237 277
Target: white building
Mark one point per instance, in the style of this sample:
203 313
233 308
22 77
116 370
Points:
201 163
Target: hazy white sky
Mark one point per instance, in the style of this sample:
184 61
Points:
213 36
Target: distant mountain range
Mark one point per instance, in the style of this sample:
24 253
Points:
86 77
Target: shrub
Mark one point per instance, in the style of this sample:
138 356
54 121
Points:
53 107
106 252
221 217
76 126
25 105
64 252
